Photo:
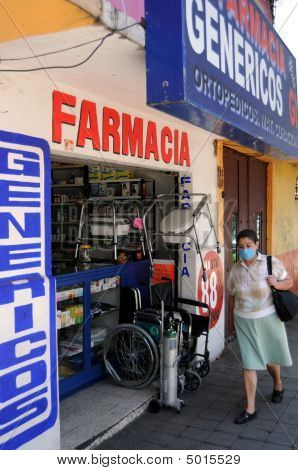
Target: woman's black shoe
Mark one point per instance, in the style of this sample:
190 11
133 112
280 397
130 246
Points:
244 417
277 396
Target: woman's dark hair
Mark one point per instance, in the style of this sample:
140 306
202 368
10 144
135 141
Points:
247 233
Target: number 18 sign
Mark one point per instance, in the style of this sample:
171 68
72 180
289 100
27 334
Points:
211 292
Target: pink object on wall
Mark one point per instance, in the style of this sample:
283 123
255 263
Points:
138 223
133 8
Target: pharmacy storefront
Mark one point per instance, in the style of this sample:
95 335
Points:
79 157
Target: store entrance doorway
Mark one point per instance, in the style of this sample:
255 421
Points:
245 202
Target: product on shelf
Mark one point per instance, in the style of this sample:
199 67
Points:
110 192
126 189
98 335
124 173
79 180
68 316
135 189
103 226
65 369
71 178
99 173
97 308
69 348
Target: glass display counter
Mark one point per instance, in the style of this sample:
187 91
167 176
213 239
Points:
88 304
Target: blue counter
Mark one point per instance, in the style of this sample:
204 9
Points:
128 275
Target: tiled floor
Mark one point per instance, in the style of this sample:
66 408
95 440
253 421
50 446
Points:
93 412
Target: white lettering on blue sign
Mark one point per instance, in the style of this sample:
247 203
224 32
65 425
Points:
185 182
28 358
235 44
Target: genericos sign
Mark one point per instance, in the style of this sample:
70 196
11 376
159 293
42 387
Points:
220 65
28 355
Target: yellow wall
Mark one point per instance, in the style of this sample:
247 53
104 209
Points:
285 216
20 18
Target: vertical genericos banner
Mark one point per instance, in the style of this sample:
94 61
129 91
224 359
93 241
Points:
28 358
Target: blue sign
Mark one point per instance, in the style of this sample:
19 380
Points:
220 65
28 357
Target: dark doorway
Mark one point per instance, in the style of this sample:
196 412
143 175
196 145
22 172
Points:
245 202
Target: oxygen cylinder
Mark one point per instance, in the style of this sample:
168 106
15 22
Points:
170 372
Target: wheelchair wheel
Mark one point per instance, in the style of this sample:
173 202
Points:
202 368
131 356
192 381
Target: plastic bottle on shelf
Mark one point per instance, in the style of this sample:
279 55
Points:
84 256
143 189
65 215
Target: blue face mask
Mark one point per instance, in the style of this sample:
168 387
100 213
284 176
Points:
247 253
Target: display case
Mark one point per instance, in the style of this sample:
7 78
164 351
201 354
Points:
88 305
69 188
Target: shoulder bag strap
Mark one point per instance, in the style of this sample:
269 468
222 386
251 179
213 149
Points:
269 265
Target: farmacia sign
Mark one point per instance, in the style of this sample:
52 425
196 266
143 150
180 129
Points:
230 72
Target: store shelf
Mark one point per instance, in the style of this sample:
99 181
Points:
70 185
123 180
71 349
69 294
64 223
68 167
109 198
61 326
68 242
100 286
104 313
66 203
92 317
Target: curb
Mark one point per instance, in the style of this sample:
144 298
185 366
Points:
110 432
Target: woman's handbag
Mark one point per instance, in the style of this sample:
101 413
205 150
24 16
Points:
285 301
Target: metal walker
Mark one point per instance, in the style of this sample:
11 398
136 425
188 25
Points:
186 225
111 221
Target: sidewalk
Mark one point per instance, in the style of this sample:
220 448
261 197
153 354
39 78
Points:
206 421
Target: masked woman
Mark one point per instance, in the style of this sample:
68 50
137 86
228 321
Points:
252 317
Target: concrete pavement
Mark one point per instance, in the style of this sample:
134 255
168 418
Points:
206 422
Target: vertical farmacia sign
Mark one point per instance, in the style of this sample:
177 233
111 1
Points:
28 358
220 65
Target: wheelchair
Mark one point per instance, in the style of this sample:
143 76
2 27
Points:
132 349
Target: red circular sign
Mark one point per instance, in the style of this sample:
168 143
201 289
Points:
211 292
